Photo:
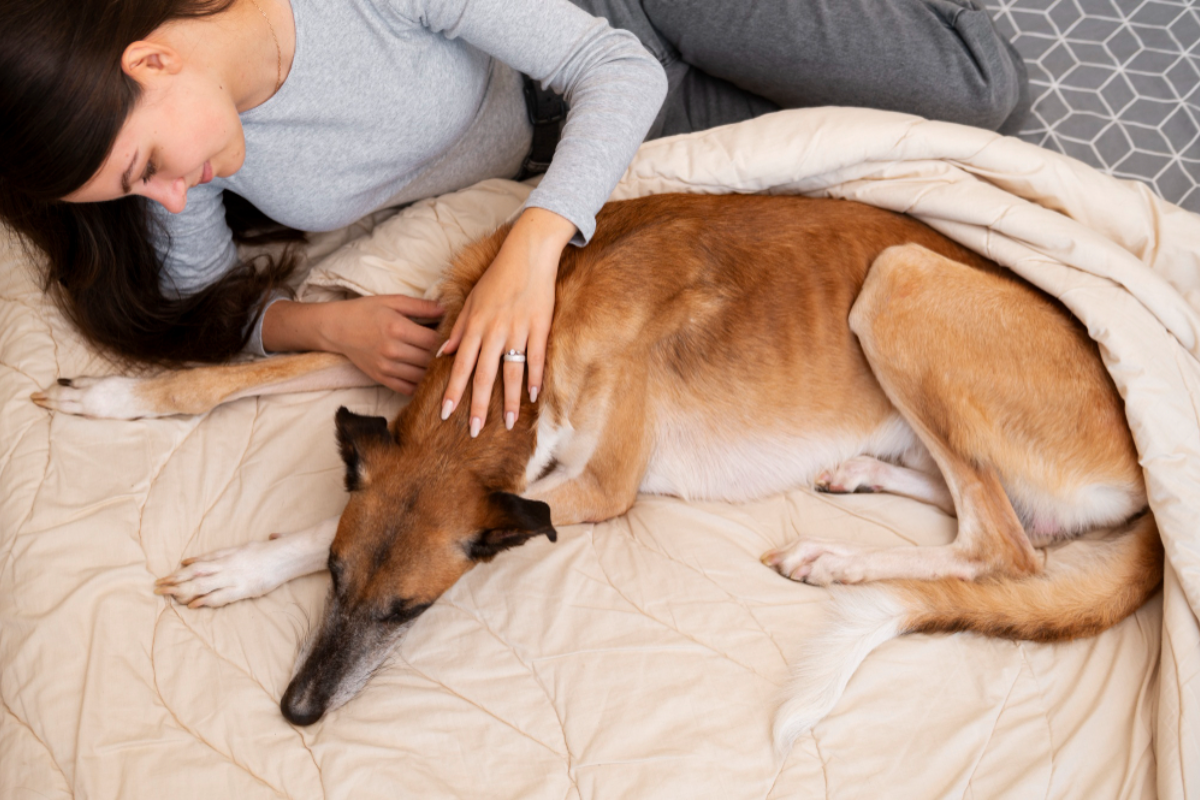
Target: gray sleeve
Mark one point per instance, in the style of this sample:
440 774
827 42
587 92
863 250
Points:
254 346
614 87
196 245
197 249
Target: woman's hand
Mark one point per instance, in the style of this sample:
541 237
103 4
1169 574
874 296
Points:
510 308
377 333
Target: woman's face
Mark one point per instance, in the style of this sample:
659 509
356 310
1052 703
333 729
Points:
184 131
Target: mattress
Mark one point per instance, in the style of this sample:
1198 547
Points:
641 657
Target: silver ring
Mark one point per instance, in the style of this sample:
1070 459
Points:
515 356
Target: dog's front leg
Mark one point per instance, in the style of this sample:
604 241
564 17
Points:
252 570
198 390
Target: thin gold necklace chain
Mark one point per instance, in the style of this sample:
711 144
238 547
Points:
278 49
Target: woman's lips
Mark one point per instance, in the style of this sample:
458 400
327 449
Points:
207 174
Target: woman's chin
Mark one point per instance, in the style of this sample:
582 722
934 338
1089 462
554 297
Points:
228 163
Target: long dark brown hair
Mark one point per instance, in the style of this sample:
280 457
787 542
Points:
63 99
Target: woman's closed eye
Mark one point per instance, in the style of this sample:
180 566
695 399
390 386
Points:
149 172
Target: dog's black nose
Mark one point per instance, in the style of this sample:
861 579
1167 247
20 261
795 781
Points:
300 717
300 710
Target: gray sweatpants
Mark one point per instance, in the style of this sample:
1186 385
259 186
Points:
730 60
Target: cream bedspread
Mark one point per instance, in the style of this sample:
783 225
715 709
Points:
639 658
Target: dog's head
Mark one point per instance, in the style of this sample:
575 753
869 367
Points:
417 520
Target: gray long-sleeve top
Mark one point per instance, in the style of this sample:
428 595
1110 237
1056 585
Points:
390 101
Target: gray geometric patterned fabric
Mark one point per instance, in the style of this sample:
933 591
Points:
1116 83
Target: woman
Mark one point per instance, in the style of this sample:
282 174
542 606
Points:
124 124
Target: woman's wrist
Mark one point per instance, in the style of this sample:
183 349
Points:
544 233
290 326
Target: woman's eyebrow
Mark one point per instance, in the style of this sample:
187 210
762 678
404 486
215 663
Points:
127 176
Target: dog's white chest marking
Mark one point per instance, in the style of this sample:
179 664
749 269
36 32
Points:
695 459
562 453
549 437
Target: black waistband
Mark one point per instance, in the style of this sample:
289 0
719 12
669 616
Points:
547 111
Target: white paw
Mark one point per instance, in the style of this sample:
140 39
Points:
219 578
113 397
817 563
858 474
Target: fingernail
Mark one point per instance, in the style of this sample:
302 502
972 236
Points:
438 354
533 394
509 419
447 407
476 426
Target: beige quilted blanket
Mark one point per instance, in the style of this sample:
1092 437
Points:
634 659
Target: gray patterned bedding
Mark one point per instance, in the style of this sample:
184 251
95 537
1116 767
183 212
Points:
1116 84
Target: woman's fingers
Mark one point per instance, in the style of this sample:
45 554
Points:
405 353
533 360
484 358
456 333
403 331
413 306
535 356
513 373
409 373
423 338
400 387
460 373
484 355
397 375
485 376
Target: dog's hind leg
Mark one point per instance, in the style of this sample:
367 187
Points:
843 562
986 371
197 390
870 474
990 539
236 573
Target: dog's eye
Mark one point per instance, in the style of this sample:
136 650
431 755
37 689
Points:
401 611
335 569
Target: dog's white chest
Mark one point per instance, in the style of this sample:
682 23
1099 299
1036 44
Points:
696 459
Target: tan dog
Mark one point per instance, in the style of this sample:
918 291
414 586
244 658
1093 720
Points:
728 348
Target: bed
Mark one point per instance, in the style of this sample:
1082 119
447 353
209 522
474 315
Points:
636 658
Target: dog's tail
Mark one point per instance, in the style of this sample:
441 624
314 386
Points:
1087 586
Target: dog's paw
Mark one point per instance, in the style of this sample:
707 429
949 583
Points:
858 474
219 578
817 563
113 397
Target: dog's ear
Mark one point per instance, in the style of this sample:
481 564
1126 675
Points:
513 521
355 434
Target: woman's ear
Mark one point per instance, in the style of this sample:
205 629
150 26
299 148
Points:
146 60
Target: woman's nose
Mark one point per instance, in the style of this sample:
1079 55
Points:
171 194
